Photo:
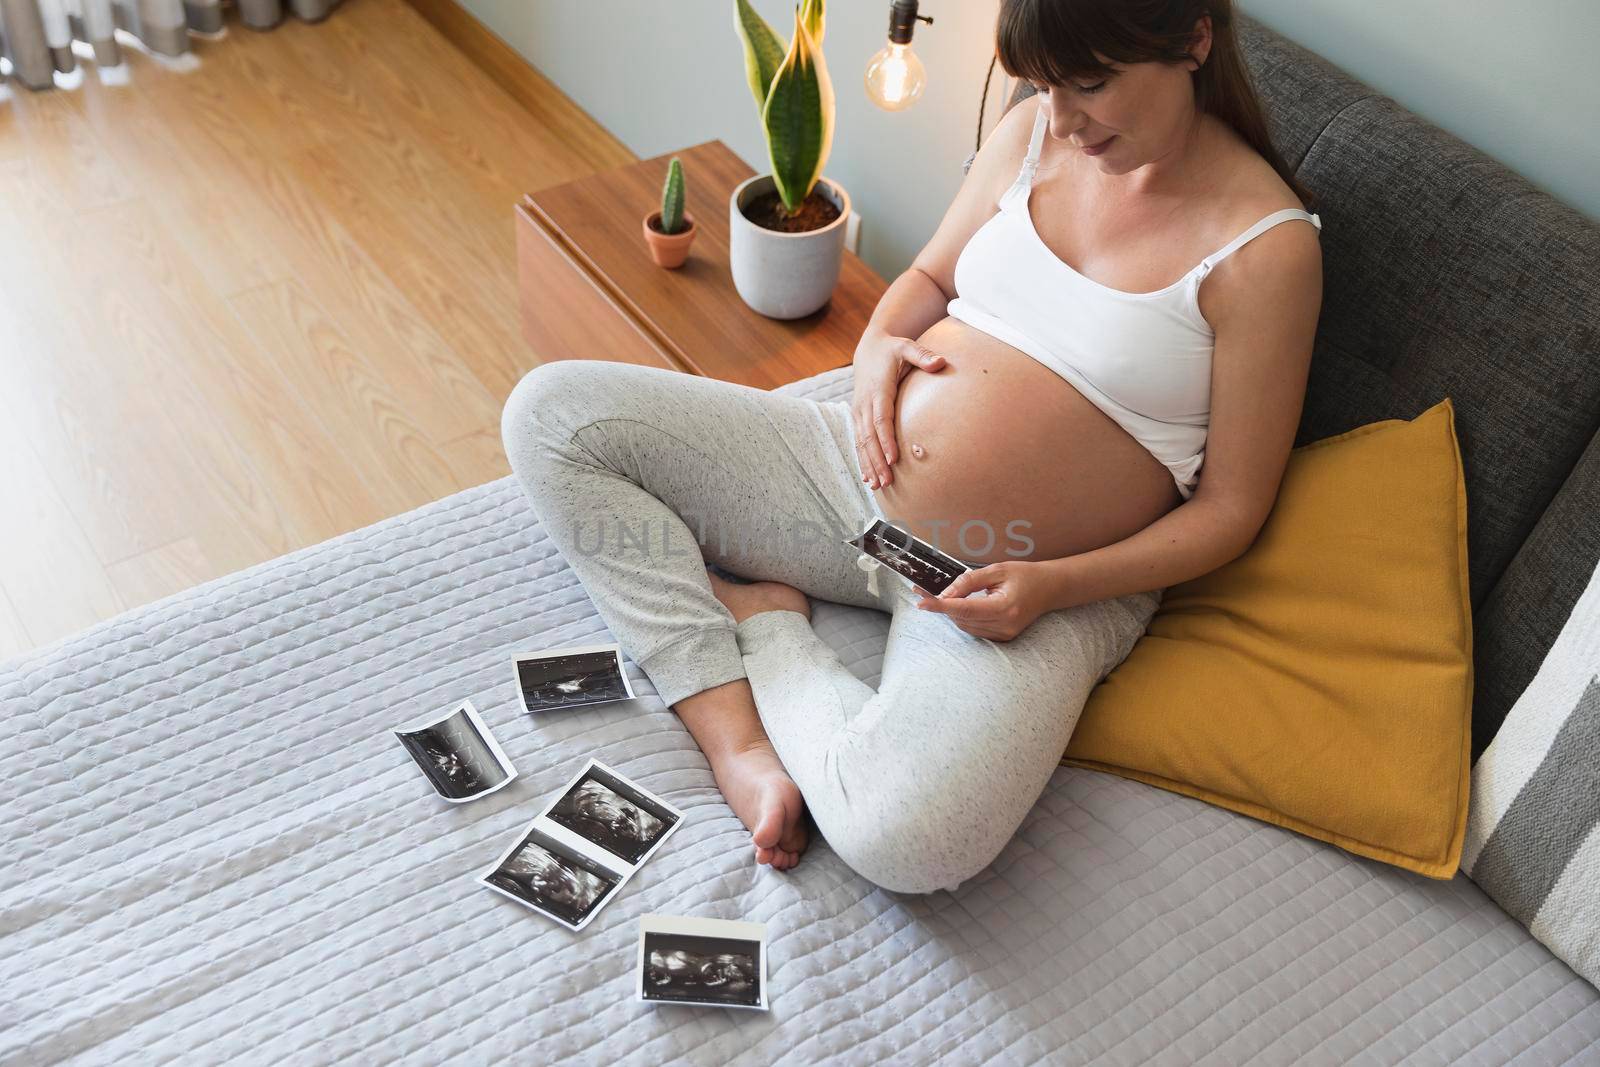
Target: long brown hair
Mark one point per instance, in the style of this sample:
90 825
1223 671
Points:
1055 41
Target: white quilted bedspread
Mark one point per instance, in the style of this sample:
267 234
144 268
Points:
217 851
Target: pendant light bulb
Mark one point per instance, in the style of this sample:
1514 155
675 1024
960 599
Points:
895 77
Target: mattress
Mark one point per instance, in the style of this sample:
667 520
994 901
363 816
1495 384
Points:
217 850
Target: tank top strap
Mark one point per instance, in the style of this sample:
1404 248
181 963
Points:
1035 146
1249 235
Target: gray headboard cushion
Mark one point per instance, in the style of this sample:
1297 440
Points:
1447 274
1534 598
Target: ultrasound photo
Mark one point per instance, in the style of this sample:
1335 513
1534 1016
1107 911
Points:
458 754
570 677
909 556
553 879
603 807
702 961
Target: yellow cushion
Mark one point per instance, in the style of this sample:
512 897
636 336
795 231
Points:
1322 681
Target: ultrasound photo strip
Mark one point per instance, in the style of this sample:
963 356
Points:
553 878
907 555
587 842
715 962
571 677
458 755
614 814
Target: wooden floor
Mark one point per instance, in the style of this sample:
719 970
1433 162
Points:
252 300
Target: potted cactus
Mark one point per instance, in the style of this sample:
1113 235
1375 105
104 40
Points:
786 228
669 231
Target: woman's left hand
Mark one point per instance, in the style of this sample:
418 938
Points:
1018 593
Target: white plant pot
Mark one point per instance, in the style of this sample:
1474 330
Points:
785 275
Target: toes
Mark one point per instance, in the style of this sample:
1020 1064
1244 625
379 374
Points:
794 841
777 857
769 828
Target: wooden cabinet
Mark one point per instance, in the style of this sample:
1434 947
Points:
589 289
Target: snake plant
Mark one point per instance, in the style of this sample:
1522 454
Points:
672 198
793 95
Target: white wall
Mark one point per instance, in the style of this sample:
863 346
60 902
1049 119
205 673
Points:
1522 87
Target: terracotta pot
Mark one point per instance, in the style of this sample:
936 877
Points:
668 249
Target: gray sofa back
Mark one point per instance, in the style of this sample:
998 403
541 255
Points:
1447 274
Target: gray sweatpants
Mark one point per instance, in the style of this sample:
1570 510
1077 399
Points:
642 476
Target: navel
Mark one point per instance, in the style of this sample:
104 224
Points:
918 451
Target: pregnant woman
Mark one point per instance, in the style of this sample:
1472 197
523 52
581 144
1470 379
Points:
1125 287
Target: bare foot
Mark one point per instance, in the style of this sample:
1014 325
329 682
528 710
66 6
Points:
753 780
766 800
745 600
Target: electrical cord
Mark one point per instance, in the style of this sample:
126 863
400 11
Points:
985 101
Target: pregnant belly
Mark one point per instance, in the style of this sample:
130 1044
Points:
1001 458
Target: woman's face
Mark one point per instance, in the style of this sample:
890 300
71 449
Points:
1140 113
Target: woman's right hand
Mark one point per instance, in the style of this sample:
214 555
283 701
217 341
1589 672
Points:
881 361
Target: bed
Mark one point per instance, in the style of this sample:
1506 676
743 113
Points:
220 852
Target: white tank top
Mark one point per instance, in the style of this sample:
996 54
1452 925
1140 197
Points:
1142 358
